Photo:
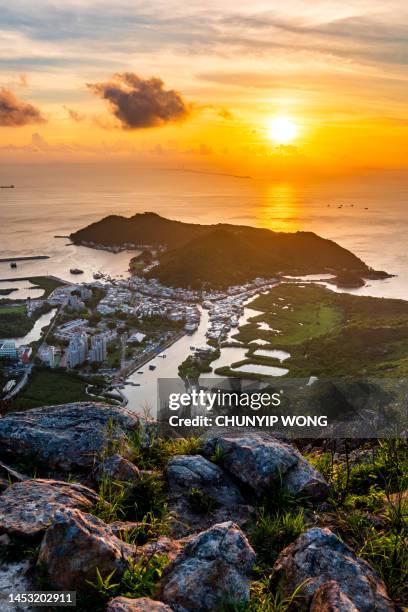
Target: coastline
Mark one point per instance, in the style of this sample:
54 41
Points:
27 258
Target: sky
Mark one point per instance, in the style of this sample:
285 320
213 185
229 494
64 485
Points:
258 86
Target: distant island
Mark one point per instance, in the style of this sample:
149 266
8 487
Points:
220 255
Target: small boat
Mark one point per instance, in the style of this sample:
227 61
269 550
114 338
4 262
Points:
140 372
76 271
13 264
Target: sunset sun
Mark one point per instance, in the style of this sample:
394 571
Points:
282 130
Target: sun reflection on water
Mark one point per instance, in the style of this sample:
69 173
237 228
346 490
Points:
282 208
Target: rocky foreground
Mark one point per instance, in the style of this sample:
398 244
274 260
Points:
92 502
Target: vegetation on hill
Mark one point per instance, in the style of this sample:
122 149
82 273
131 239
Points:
222 255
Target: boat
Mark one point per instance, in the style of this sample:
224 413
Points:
76 271
13 264
140 372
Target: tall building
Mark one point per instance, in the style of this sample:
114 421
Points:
77 349
86 292
98 350
52 356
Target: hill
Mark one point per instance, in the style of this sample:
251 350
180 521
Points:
221 255
142 228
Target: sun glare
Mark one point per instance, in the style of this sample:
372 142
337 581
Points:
282 130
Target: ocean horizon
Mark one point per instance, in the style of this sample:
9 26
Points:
358 212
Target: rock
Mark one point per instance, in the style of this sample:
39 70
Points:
122 528
214 567
69 437
163 546
27 508
11 475
319 556
217 499
15 578
185 520
142 604
185 472
8 476
75 545
304 481
259 460
116 468
329 598
80 543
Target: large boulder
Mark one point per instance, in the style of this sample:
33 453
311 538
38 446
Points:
259 460
142 604
116 468
186 472
213 568
330 598
69 437
27 508
81 543
319 556
75 545
202 494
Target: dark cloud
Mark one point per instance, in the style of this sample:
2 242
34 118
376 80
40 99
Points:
14 112
139 103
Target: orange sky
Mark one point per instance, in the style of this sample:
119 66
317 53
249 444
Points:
337 70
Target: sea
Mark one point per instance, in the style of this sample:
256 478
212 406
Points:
366 214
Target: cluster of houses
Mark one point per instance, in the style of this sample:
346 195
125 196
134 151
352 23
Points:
147 298
225 313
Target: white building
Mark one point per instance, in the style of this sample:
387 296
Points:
8 350
77 350
98 350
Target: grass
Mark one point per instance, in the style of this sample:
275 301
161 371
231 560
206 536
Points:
140 579
14 321
273 532
160 451
146 501
46 283
370 509
47 387
265 599
363 335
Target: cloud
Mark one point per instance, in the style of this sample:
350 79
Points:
14 112
75 115
225 114
39 143
140 103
